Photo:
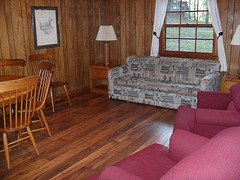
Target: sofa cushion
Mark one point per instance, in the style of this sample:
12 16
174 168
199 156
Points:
156 85
217 159
175 70
235 93
128 81
176 88
150 163
115 173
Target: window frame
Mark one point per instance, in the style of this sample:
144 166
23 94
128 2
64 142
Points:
200 55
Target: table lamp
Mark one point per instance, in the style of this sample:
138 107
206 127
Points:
236 40
106 34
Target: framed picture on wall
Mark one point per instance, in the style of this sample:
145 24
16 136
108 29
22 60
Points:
45 27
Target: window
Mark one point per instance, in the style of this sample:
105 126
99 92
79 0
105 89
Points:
188 30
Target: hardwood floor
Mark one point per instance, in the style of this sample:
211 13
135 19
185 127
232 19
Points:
94 133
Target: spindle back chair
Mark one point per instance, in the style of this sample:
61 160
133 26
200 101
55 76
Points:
12 67
35 60
45 75
17 106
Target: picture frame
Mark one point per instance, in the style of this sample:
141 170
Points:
45 26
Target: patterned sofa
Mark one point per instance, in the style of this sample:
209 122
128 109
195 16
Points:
163 81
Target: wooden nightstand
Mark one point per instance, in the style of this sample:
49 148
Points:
99 78
228 81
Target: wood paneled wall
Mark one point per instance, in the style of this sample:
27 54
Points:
79 23
73 57
230 18
133 23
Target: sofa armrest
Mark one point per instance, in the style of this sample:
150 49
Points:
114 73
119 71
185 118
115 173
213 100
183 143
210 82
217 117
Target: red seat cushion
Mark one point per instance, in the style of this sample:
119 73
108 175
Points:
115 173
150 163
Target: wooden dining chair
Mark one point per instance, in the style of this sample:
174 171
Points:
12 67
35 60
17 106
45 75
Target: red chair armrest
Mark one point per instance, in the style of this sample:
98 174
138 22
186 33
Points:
185 118
213 100
183 143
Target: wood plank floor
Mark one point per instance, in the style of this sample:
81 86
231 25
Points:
94 133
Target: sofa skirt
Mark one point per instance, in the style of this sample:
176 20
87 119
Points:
155 98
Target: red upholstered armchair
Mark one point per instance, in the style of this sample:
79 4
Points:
215 111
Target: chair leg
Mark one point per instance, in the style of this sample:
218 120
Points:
40 118
5 143
45 122
66 91
52 100
32 139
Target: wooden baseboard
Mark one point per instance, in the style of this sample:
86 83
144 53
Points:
72 93
76 92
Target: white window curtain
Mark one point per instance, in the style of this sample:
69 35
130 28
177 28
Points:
213 10
160 12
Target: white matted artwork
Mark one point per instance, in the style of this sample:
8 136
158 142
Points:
45 27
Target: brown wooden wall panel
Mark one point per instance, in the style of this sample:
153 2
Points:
136 23
79 24
230 17
74 55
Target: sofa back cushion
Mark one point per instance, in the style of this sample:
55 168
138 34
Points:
235 93
217 159
169 69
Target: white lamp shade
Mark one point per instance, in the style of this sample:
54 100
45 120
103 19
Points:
236 37
106 33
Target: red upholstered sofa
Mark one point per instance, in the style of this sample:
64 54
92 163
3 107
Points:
190 156
215 111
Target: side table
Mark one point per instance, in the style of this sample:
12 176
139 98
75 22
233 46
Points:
99 78
228 81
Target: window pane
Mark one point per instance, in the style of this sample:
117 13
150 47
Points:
204 46
173 5
189 18
172 44
187 45
189 5
204 18
173 18
187 32
202 5
172 32
205 33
